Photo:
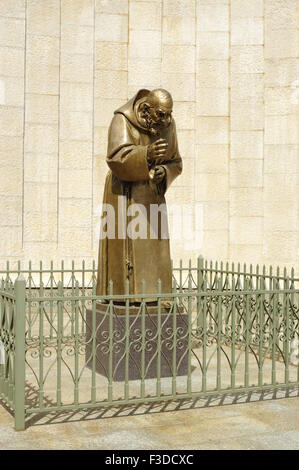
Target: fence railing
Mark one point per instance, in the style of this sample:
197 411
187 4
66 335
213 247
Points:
220 331
70 273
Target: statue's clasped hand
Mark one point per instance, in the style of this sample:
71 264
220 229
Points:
156 152
159 174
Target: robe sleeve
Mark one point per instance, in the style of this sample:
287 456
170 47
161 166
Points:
125 159
174 165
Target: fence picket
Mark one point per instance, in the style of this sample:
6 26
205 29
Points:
41 347
261 331
19 377
76 318
274 326
111 337
94 342
219 332
59 339
127 340
189 370
204 342
174 337
233 335
143 340
287 329
247 332
159 336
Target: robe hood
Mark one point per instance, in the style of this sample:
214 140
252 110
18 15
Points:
128 109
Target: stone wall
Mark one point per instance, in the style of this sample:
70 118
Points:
232 68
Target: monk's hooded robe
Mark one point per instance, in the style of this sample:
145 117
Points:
124 257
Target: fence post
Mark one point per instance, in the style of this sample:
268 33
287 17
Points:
200 263
19 397
200 288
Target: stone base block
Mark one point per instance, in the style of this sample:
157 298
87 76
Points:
135 342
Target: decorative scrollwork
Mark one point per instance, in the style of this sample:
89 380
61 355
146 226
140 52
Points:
70 350
168 344
104 348
137 346
150 346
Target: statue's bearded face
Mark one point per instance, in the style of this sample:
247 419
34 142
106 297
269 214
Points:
154 117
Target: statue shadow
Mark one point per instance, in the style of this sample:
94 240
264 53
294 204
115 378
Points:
213 400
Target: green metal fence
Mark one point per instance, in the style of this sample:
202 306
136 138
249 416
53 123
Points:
225 330
12 343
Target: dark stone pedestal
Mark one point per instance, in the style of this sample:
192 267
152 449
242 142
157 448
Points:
135 342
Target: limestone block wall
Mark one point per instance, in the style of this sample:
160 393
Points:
232 68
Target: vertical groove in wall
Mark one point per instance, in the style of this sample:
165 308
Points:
263 161
296 98
229 133
128 46
58 130
93 124
195 101
24 122
161 26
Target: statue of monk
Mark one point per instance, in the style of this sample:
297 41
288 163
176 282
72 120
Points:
143 159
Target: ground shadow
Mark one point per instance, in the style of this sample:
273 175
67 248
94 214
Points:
6 407
236 398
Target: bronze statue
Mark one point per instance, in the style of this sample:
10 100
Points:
144 159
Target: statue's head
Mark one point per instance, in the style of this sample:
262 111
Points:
155 110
